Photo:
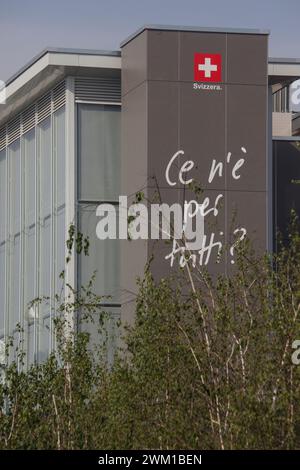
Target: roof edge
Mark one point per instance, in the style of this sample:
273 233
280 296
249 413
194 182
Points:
193 29
60 50
284 60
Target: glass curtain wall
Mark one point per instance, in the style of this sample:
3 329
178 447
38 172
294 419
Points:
99 159
286 180
3 202
32 234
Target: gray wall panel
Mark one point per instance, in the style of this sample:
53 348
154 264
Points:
205 122
247 127
247 59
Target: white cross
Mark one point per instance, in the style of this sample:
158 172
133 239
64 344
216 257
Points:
208 67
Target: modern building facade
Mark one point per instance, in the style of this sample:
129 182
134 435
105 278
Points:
79 128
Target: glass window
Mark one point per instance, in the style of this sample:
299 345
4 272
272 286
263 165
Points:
60 250
2 236
29 157
29 217
29 268
99 159
31 344
45 262
44 338
45 158
15 186
15 286
99 152
32 233
15 229
2 288
2 195
59 146
104 257
45 167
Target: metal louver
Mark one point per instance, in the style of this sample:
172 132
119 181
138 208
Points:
14 130
33 115
59 96
2 138
98 89
44 107
28 119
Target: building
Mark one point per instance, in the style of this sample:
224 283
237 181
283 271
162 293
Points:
79 128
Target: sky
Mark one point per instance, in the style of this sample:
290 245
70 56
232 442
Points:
29 26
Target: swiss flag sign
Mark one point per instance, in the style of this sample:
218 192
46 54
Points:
207 67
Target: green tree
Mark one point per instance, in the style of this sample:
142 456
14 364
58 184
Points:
206 365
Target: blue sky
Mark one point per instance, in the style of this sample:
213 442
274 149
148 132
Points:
28 26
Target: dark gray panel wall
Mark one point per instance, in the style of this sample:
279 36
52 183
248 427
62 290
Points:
164 113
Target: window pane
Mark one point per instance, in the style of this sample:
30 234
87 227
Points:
45 272
30 350
32 233
2 287
29 157
2 236
14 315
45 212
60 250
99 152
15 185
104 257
44 338
14 351
46 167
59 145
15 228
2 195
29 266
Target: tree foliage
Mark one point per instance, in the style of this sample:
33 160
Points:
206 365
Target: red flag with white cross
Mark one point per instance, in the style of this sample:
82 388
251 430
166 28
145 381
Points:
207 67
